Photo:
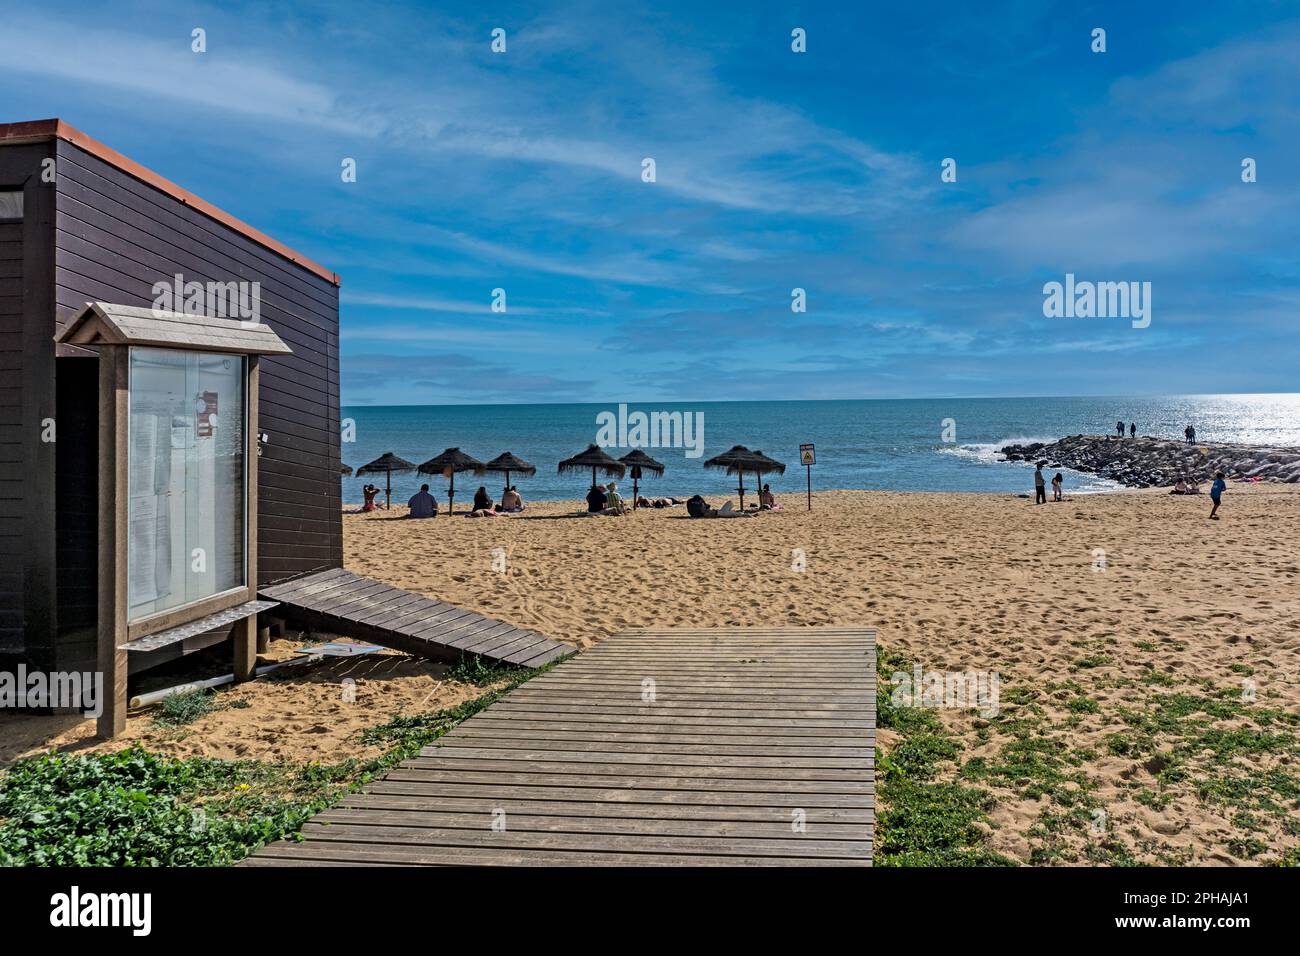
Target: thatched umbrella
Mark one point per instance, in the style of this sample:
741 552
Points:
447 464
766 465
640 463
736 461
594 457
345 470
507 462
386 464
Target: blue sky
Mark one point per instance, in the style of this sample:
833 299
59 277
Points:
774 170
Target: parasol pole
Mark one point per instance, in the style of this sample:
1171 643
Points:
388 489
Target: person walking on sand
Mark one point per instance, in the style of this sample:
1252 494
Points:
1119 428
1040 486
1132 430
1216 492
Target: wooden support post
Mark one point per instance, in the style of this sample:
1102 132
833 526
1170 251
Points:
114 410
263 639
245 637
245 633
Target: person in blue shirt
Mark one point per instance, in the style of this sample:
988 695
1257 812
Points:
422 504
1216 490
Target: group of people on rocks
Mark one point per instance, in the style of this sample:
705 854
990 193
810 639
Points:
1183 487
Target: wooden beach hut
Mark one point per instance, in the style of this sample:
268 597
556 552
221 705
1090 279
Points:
169 434
169 415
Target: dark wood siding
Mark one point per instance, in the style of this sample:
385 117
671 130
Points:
115 237
77 517
27 590
11 448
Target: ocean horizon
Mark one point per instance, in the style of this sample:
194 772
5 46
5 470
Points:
937 444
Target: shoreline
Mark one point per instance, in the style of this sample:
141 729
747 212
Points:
797 500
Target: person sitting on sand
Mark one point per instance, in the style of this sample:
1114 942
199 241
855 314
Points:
596 500
482 500
1180 488
511 500
1216 491
613 500
767 500
423 504
1057 480
370 491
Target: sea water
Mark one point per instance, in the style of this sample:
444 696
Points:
896 445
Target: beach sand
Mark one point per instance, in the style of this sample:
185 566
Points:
1123 627
1134 600
295 715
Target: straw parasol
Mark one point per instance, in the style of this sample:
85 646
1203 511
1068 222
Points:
386 464
736 461
345 470
508 462
640 463
447 464
594 458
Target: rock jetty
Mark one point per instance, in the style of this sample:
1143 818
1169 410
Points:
1156 462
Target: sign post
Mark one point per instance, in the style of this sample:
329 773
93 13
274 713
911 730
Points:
808 458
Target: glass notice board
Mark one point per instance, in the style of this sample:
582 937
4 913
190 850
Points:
186 478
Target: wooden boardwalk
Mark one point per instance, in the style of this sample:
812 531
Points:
348 604
740 746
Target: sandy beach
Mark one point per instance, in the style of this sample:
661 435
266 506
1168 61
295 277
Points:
1127 631
1134 601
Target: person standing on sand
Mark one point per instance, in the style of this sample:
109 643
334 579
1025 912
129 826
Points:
1119 428
1190 432
1132 430
1040 487
1216 491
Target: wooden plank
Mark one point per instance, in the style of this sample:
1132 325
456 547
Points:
524 821
335 853
608 810
375 611
541 657
638 754
762 798
583 842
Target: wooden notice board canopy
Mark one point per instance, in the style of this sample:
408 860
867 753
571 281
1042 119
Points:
114 330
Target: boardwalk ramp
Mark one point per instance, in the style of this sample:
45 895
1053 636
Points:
740 746
355 606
